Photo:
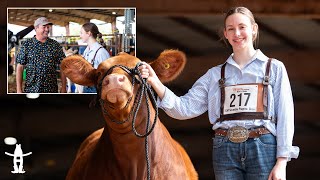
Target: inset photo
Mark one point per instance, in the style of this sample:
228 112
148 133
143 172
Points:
40 38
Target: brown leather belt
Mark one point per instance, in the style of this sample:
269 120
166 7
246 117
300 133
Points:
252 133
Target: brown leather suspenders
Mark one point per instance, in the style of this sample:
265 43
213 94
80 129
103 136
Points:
261 114
222 85
266 82
94 57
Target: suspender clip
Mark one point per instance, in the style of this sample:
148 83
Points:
266 80
221 82
273 119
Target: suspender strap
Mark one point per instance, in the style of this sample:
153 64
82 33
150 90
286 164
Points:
266 82
246 115
94 57
241 116
222 84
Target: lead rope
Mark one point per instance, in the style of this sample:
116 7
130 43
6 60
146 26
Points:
144 91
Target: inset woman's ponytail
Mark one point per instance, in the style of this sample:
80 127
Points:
92 28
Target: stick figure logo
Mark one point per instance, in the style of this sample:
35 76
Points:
18 158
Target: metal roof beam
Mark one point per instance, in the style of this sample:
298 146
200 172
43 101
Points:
198 28
289 42
165 40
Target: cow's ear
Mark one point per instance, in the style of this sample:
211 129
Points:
169 65
79 70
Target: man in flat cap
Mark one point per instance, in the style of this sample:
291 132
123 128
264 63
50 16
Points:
41 56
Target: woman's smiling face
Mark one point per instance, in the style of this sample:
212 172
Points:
239 31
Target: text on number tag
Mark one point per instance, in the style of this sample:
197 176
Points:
240 98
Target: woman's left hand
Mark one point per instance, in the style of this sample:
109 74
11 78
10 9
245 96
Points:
279 170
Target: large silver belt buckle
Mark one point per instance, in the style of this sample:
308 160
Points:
238 134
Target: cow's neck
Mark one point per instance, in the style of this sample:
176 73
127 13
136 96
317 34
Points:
128 149
124 140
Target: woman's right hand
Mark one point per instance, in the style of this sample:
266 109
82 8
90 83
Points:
147 72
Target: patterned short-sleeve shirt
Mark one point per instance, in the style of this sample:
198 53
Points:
41 61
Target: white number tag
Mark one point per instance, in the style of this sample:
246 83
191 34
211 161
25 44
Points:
240 98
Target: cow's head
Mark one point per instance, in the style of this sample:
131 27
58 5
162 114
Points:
115 85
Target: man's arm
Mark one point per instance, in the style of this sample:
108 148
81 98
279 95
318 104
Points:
60 57
63 82
19 71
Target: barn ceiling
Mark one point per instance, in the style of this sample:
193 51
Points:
61 16
53 126
201 35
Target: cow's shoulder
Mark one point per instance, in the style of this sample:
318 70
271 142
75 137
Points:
90 141
80 164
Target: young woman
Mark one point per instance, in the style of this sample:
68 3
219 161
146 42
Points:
249 102
94 52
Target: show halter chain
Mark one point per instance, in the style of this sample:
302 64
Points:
144 90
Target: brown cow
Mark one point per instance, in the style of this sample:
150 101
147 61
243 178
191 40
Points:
115 152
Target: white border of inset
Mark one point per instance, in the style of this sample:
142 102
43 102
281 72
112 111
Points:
135 49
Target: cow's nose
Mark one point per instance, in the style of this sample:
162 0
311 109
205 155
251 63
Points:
113 79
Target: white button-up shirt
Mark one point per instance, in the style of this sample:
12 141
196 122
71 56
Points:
205 96
89 53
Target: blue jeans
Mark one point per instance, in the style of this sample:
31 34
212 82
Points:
250 160
89 89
